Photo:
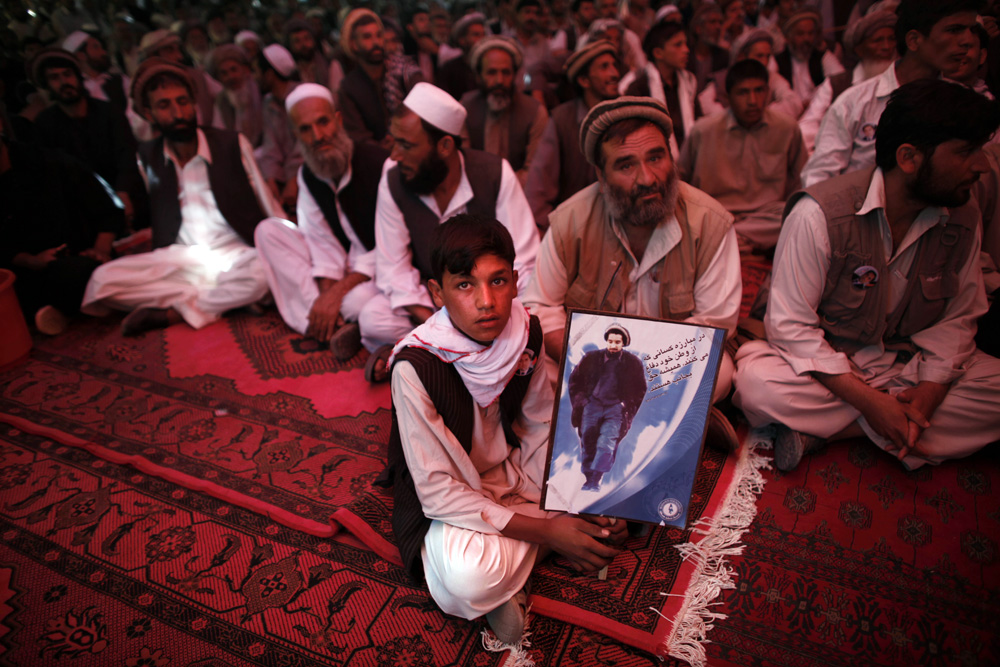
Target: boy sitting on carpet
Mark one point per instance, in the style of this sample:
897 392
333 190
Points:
472 421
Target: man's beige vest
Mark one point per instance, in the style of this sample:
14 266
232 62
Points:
854 317
597 262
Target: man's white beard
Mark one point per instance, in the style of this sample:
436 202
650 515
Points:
498 103
872 68
333 166
241 97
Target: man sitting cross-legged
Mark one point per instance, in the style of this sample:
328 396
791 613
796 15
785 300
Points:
320 272
207 196
875 295
468 443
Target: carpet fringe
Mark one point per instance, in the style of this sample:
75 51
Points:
519 655
713 574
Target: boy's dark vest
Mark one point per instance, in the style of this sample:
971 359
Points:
854 317
233 193
521 116
784 61
484 171
455 405
357 199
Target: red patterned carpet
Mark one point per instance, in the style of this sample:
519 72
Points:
212 497
203 499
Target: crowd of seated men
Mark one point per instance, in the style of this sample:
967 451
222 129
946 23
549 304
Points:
303 159
438 185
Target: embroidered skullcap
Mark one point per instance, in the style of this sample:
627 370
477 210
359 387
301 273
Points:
75 40
867 26
280 59
495 42
617 328
436 107
221 54
665 11
304 91
804 14
244 35
581 58
463 24
51 56
156 40
347 29
316 12
297 25
148 69
602 116
743 43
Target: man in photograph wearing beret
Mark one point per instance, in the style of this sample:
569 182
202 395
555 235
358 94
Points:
605 389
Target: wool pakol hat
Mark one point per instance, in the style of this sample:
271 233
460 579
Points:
743 43
244 35
347 29
617 328
47 57
280 59
156 40
75 40
581 58
436 107
495 42
865 27
225 52
802 15
462 25
602 116
148 69
304 91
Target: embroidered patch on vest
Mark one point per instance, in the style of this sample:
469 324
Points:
865 277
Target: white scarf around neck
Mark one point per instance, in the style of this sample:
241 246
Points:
485 369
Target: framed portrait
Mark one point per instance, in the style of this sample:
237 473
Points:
630 416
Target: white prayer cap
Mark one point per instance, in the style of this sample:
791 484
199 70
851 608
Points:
304 91
244 35
665 11
280 59
75 40
436 107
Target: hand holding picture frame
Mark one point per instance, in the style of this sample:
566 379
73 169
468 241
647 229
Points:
630 416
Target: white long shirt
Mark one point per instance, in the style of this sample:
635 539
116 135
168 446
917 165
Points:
802 82
846 138
202 223
329 258
475 490
801 263
395 274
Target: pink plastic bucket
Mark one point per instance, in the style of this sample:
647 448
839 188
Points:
15 339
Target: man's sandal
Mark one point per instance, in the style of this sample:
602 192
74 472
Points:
373 373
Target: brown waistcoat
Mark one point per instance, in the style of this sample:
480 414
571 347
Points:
854 317
593 254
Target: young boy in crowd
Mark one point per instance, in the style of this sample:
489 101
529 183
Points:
469 439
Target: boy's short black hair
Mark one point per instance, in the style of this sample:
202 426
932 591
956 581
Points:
922 15
658 35
744 70
929 112
461 240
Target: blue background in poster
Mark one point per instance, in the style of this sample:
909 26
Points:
671 473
